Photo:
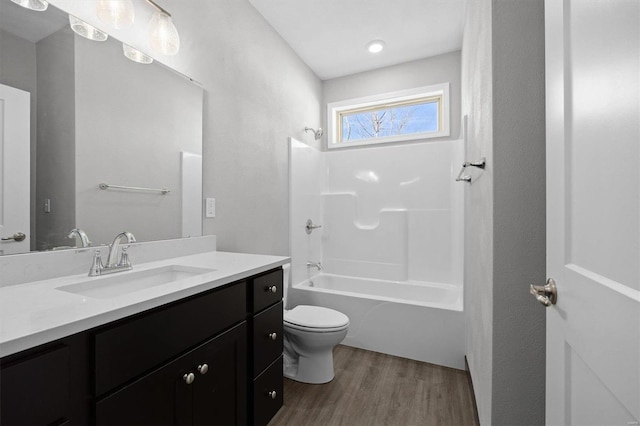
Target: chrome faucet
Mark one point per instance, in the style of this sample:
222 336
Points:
113 265
317 265
113 250
84 239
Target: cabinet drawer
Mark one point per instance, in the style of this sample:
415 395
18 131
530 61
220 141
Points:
265 348
36 390
144 342
265 405
263 286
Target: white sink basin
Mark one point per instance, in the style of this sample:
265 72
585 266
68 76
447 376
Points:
127 282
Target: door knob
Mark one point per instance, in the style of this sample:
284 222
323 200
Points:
546 294
16 237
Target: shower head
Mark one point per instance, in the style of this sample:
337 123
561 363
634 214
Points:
316 133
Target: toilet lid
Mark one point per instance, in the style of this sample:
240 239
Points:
315 317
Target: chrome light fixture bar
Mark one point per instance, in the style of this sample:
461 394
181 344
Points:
38 5
158 7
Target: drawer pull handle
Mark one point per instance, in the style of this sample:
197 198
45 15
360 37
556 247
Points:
202 369
273 336
272 289
272 394
189 378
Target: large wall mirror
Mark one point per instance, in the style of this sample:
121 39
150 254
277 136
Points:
95 117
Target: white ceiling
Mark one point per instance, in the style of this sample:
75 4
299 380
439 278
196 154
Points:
331 35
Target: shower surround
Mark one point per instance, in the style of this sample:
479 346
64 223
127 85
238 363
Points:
390 244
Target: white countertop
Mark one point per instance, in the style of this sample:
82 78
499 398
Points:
37 312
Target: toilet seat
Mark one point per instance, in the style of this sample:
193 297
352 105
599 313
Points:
315 319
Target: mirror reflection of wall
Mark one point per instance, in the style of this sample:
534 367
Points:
99 117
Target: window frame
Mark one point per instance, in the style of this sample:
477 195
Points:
335 110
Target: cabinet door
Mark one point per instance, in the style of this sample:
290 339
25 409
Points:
220 394
35 390
162 397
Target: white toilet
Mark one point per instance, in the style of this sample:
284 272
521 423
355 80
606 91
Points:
310 334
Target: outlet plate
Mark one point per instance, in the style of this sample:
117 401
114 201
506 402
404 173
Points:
210 207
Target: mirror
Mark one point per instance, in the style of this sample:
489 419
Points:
100 118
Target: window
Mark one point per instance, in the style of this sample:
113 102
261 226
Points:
392 117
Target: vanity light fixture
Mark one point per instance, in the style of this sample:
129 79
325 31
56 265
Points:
375 46
117 13
39 5
85 30
163 35
135 55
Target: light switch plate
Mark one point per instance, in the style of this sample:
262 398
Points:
210 207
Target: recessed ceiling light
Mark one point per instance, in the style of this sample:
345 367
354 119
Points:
375 46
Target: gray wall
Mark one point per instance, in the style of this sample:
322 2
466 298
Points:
18 69
56 140
477 104
258 93
437 69
132 121
503 95
519 211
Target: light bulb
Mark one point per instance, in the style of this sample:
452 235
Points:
118 13
135 55
375 46
39 5
163 35
85 30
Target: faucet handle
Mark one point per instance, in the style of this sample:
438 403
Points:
96 266
124 258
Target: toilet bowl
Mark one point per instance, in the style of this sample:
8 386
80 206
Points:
310 334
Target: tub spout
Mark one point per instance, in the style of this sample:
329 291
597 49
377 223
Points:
317 265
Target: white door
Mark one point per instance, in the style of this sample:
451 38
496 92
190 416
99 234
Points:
14 170
593 211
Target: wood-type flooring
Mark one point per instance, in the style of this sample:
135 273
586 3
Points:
374 389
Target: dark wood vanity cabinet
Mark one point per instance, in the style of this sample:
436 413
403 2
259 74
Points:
47 385
191 373
213 358
205 386
265 348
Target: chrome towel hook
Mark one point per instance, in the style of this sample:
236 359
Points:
479 164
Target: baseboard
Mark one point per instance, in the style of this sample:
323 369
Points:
473 393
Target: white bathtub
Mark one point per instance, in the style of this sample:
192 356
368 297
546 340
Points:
417 320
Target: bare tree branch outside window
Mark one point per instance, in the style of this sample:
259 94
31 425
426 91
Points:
390 121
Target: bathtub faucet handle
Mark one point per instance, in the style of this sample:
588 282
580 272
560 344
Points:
317 265
309 226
